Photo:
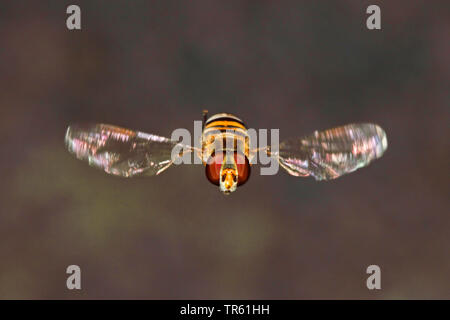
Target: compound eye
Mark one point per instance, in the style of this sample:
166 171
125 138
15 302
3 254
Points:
212 169
243 167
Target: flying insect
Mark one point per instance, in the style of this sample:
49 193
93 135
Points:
226 151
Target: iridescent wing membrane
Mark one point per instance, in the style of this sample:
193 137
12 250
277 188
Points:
332 153
121 152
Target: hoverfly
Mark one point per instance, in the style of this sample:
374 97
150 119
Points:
323 155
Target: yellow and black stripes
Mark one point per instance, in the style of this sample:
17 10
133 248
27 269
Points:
225 117
225 128
225 122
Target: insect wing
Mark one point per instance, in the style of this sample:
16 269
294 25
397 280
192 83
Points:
120 151
332 153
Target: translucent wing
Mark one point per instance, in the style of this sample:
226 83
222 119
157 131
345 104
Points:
332 153
120 151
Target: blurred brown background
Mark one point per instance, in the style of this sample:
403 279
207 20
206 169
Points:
153 66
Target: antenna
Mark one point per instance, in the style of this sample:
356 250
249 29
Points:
205 117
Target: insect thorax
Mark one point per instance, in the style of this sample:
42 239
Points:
224 133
